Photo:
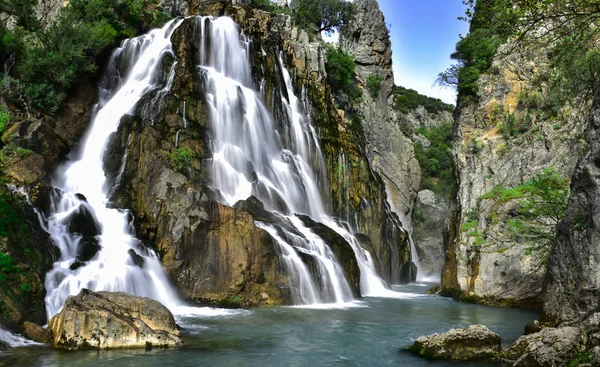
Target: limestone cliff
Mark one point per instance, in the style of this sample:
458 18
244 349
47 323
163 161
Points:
389 151
571 289
483 263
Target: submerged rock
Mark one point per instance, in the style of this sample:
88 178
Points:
474 342
101 320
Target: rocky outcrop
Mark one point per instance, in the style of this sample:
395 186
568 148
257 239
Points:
572 285
215 253
472 343
572 344
390 152
430 218
37 333
102 320
483 262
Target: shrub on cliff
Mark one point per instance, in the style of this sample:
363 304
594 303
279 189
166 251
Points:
542 202
341 74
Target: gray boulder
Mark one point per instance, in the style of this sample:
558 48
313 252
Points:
472 343
101 320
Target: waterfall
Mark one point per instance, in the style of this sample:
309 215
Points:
250 157
98 250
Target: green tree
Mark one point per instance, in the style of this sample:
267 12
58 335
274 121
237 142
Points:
374 84
341 73
322 15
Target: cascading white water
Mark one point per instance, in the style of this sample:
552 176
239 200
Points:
250 157
14 340
122 263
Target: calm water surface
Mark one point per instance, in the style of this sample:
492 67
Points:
373 333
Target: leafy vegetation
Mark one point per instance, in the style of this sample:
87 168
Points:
321 15
374 84
52 57
568 26
4 118
582 358
181 158
406 100
436 161
542 204
341 72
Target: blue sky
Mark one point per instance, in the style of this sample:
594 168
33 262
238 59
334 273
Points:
423 33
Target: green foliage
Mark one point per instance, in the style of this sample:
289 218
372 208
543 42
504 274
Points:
574 59
582 358
406 100
181 158
474 146
321 15
4 118
374 84
8 217
341 72
436 161
49 59
542 204
514 126
24 12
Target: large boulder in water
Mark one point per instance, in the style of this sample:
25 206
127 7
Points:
101 320
474 342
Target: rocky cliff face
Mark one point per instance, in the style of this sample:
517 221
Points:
571 289
483 262
430 219
213 252
389 151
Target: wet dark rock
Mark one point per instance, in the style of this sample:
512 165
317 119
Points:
533 327
87 249
82 221
340 247
76 264
135 258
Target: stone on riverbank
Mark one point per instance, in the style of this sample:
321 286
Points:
474 342
101 320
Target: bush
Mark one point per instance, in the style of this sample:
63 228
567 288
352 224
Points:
181 158
542 204
54 56
514 126
374 84
341 72
4 118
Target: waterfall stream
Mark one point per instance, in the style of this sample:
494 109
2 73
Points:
81 221
250 157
